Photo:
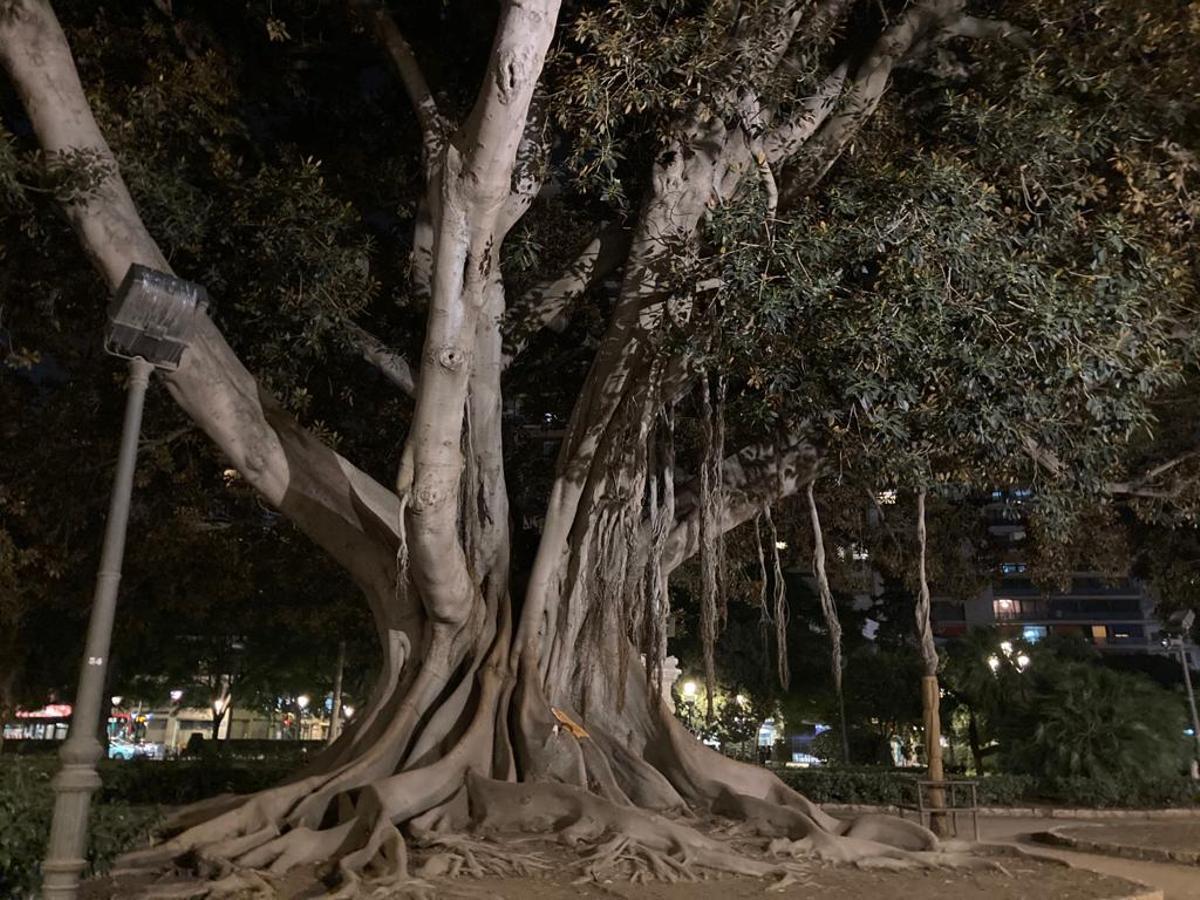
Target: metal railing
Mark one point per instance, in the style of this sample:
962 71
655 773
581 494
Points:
952 793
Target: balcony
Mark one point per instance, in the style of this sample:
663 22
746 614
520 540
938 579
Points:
1078 609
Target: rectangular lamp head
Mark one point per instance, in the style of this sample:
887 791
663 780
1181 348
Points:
153 316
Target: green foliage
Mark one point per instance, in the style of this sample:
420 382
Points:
1084 721
891 787
26 802
180 782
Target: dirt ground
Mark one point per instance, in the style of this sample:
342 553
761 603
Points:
1022 879
1029 880
1151 835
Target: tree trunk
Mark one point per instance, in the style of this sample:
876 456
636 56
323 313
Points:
973 740
479 716
335 714
930 692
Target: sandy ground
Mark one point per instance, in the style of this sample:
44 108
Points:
1151 835
1178 882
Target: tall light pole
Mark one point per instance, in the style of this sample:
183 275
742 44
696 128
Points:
150 322
1180 623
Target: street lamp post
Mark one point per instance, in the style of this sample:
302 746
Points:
1181 623
150 323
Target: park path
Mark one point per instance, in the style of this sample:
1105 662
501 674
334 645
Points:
1177 882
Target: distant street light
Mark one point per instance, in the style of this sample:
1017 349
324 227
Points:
176 696
150 322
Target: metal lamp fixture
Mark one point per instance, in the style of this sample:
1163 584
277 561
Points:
151 321
152 317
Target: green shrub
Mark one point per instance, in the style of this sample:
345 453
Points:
1129 792
1082 721
186 781
26 803
892 787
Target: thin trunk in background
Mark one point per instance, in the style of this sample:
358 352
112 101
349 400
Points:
335 715
930 692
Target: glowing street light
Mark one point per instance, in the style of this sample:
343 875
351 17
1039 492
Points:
689 690
116 701
176 695
993 662
302 701
1022 661
150 322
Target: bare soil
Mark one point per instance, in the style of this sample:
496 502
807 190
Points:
1023 878
1029 880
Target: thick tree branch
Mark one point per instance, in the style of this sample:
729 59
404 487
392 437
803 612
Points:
782 143
338 506
913 34
391 365
476 173
433 127
754 477
1144 486
545 304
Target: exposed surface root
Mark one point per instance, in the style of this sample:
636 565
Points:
577 816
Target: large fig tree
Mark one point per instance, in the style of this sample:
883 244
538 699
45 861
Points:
902 242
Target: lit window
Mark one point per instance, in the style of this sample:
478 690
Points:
1022 493
997 495
1012 568
1033 633
1004 608
1099 634
886 498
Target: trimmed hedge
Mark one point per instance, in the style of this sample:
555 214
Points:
891 787
26 803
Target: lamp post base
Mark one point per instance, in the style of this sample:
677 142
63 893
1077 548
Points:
73 788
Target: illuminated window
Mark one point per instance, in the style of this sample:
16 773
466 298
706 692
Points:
1033 633
1004 608
1099 634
